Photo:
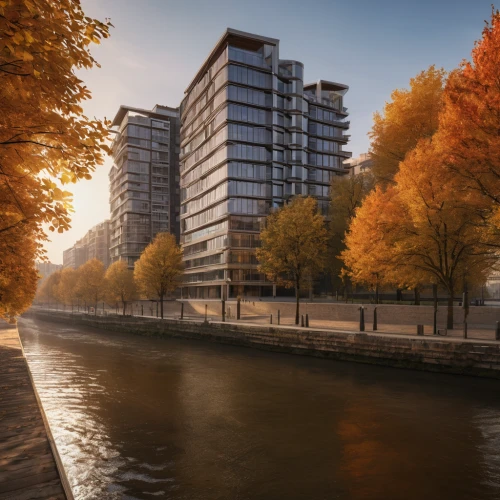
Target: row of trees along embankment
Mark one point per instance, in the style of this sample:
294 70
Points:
434 214
156 274
429 214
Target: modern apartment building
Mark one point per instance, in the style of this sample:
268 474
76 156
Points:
252 135
98 239
94 245
144 180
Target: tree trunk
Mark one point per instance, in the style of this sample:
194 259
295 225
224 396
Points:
417 296
297 297
124 306
449 318
161 306
376 294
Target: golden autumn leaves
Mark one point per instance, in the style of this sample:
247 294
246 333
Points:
433 217
45 139
156 274
160 267
293 246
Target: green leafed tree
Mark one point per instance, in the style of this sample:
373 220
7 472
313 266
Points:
293 246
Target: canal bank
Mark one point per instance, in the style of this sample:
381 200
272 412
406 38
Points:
436 354
30 466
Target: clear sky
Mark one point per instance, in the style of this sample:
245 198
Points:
374 46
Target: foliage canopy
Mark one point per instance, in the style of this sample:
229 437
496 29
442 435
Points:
293 245
159 269
45 139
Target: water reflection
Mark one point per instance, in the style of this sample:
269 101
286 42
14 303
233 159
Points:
138 418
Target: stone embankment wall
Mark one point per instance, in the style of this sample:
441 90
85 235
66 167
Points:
480 358
386 313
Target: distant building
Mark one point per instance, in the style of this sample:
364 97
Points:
493 285
47 268
98 243
253 134
94 245
144 180
361 164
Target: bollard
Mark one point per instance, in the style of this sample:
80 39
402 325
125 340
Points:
361 319
435 299
497 331
223 310
182 310
278 316
238 309
465 329
271 320
375 326
307 320
206 313
302 321
420 329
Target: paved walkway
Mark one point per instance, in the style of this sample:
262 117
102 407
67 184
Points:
28 467
477 332
474 332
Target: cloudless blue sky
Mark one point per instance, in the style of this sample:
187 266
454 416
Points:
374 46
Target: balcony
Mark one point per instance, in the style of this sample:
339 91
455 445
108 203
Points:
345 154
325 102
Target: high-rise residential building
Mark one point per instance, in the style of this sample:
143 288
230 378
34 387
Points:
98 239
76 255
252 135
144 180
94 245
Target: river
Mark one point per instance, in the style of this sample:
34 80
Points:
138 418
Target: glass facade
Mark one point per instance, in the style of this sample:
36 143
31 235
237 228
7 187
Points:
144 180
252 136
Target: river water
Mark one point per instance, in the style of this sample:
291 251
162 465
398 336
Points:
136 417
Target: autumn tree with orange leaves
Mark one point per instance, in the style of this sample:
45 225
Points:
421 229
470 122
293 246
45 139
439 221
159 269
411 115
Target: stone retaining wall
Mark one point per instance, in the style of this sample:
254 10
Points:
480 358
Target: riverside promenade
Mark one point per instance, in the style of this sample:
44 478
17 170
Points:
30 467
